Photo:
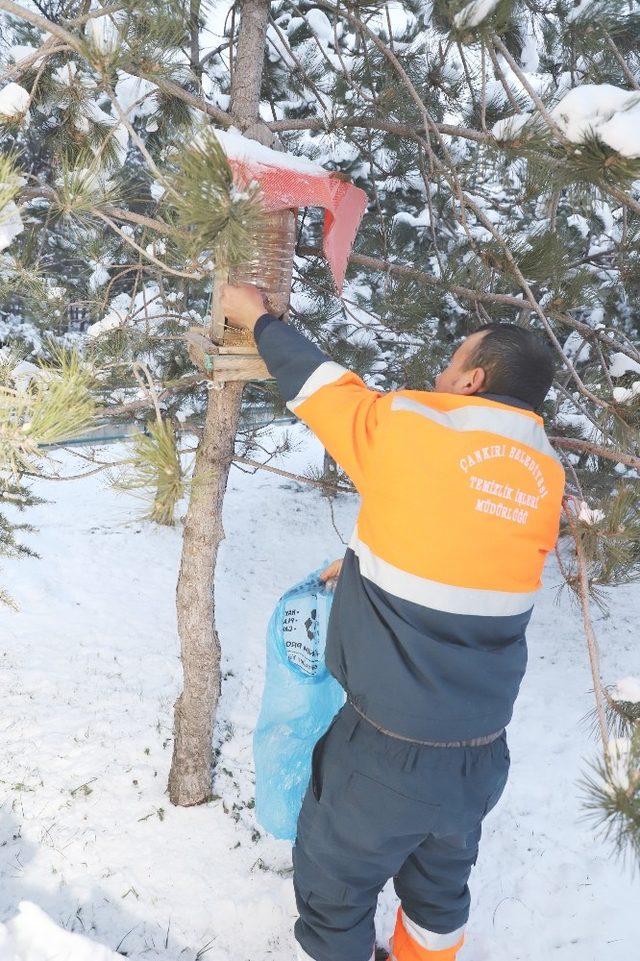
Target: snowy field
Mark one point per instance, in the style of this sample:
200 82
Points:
90 671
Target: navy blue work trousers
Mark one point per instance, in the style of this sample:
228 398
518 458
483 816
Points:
379 808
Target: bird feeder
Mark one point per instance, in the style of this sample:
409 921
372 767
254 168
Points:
286 183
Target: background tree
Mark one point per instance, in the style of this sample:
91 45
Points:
498 146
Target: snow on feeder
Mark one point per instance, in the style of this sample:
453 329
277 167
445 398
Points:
286 183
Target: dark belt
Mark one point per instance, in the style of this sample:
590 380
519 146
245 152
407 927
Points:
474 742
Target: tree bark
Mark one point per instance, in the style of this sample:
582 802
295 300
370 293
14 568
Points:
190 777
194 37
589 632
249 62
330 474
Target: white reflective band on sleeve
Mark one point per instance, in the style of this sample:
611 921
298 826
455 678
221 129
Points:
434 594
325 374
428 939
493 420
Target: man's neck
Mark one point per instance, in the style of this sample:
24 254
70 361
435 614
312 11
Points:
505 399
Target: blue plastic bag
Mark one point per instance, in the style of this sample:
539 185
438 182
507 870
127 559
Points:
299 701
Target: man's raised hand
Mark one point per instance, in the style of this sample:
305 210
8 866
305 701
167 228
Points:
242 304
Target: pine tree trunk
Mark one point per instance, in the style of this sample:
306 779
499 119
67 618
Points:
192 762
194 38
190 776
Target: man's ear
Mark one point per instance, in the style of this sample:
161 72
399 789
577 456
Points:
473 381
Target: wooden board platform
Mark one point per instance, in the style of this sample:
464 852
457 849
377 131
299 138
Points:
238 360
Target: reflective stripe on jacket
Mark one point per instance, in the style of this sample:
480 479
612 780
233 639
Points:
460 505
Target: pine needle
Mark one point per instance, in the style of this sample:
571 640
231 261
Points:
82 187
612 794
10 180
53 406
155 468
216 214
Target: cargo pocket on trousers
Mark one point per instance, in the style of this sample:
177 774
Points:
316 883
495 796
380 811
316 762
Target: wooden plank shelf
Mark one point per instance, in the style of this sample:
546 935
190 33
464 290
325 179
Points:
234 361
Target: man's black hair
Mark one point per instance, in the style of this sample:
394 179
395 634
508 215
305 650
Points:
517 363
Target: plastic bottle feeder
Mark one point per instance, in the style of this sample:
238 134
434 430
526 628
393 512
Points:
287 183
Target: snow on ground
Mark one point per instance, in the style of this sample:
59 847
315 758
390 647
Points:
90 671
32 936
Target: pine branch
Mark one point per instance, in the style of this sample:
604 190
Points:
622 62
463 197
372 122
168 391
476 296
598 450
97 12
48 26
137 139
165 268
198 103
582 588
322 484
616 192
613 793
155 468
48 49
68 38
537 100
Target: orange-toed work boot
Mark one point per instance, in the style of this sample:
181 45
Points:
410 942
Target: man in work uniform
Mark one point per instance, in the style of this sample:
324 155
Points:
460 504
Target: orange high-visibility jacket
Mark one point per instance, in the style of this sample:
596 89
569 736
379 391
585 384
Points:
461 501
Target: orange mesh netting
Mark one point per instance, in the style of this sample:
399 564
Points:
343 203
